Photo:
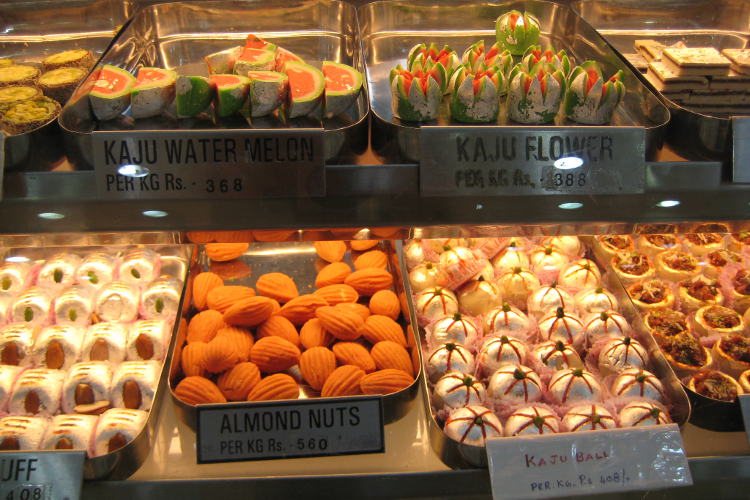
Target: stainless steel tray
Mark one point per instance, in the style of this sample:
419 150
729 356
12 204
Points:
697 23
389 29
458 455
298 260
178 35
33 30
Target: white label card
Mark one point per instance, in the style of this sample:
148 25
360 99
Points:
42 475
745 407
588 462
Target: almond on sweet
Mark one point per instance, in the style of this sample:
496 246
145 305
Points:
361 310
342 324
385 381
370 280
333 274
202 284
191 359
385 303
312 334
279 326
251 311
198 390
274 387
344 381
222 252
373 258
241 338
204 326
363 245
378 328
316 365
221 354
337 294
274 354
352 353
277 286
389 354
330 251
223 297
302 308
237 382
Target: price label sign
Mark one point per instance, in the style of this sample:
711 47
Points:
41 475
589 462
741 148
212 164
745 407
290 429
487 161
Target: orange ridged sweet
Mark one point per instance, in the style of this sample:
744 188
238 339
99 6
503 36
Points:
274 354
272 234
312 334
251 311
241 338
278 326
230 270
389 354
385 303
404 307
373 258
237 383
344 381
352 353
198 390
378 328
385 381
332 274
221 354
222 252
202 284
274 387
204 325
191 359
278 286
370 280
362 245
330 251
342 324
240 236
200 237
222 298
316 365
410 342
361 310
337 294
385 232
302 308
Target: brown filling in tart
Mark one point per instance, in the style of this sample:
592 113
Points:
743 237
667 322
720 258
703 239
714 385
701 289
618 242
721 317
711 227
661 240
741 282
685 349
680 261
737 347
649 292
634 263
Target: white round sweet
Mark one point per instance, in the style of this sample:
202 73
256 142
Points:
96 270
619 354
32 306
476 297
574 384
486 271
569 245
509 259
438 245
455 261
456 390
13 276
532 420
637 382
414 253
602 324
498 351
596 300
642 413
581 274
139 267
454 329
548 299
589 417
472 425
434 303
423 276
547 259
506 320
117 301
562 326
75 305
558 355
59 271
517 285
515 383
447 358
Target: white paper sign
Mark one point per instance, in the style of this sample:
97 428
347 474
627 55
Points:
41 475
588 462
745 407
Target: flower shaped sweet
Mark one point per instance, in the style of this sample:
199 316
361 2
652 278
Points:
591 99
494 55
559 59
534 96
415 95
475 97
516 31
446 56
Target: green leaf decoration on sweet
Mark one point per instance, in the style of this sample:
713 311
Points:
28 314
93 278
159 306
7 282
72 315
57 275
135 273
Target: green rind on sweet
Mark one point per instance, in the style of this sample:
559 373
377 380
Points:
338 101
311 102
266 62
222 62
231 97
268 94
109 105
122 74
193 95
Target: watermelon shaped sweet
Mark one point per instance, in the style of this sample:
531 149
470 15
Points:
415 96
194 95
268 91
231 93
495 55
255 60
446 56
343 85
283 56
256 42
559 59
110 95
222 62
153 92
476 96
516 32
306 87
534 96
589 98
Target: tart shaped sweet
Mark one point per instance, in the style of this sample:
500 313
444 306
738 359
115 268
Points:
607 246
588 417
516 31
663 323
499 351
532 421
642 413
456 390
589 98
637 382
741 290
447 358
603 324
715 385
676 265
737 241
699 292
558 355
717 260
596 300
506 320
701 244
632 267
620 354
476 297
732 354
685 354
652 244
454 329
435 302
718 320
562 326
574 384
472 425
515 383
581 274
650 295
744 380
534 96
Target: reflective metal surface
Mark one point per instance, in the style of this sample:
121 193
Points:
390 29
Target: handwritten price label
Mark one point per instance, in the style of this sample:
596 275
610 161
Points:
588 462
